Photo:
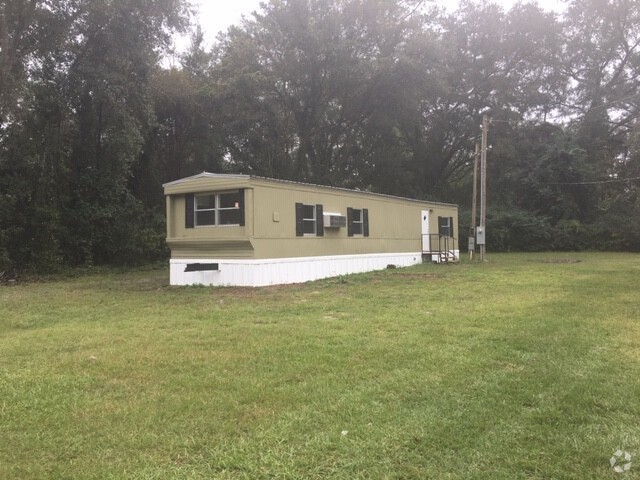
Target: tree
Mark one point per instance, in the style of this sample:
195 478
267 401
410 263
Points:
602 59
309 76
185 136
75 115
488 61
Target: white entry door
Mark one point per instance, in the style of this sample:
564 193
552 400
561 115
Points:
426 239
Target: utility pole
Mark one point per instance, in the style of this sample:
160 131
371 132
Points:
483 186
474 204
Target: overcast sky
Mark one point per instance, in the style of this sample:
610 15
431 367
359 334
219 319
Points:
218 15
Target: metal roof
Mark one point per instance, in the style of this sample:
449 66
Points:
293 182
204 175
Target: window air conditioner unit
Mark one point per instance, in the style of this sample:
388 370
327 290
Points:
334 220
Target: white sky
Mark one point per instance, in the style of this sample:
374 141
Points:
218 15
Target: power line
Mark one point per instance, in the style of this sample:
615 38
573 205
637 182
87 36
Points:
418 5
596 182
611 103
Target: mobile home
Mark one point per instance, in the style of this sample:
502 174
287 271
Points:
245 230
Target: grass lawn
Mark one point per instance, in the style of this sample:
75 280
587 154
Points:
527 366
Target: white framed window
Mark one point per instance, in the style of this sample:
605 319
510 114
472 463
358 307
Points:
357 222
215 209
445 226
309 220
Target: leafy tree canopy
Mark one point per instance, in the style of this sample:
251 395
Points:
384 95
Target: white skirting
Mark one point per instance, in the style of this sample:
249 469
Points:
277 271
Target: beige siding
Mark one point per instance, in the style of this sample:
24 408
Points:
238 248
208 241
270 229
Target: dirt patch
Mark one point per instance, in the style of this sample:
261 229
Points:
234 292
256 292
418 275
560 260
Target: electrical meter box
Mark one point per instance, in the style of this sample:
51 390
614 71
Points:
480 235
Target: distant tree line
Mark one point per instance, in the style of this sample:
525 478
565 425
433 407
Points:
382 95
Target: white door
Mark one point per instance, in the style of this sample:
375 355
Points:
426 239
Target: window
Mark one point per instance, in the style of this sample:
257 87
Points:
357 222
215 209
445 226
205 209
309 220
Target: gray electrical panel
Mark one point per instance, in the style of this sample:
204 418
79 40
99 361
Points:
480 235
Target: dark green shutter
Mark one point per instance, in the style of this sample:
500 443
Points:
350 222
299 220
189 210
365 222
319 221
451 227
241 205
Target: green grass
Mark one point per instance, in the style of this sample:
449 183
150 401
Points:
526 367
